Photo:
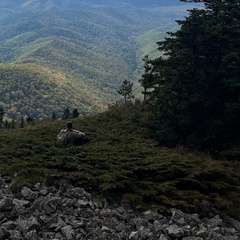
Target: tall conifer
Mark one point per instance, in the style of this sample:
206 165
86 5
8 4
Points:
198 100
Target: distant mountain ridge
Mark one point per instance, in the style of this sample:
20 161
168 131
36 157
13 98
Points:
9 8
78 4
92 49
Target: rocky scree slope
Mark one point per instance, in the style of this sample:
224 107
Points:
62 211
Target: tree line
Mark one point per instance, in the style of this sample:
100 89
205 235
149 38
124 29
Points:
193 90
27 120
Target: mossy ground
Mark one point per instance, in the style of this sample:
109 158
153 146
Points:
120 162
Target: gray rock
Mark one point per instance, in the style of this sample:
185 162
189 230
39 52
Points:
15 235
145 233
55 223
82 203
48 235
202 232
19 206
2 183
20 202
6 204
230 238
27 224
234 223
4 234
28 194
192 238
216 221
162 237
195 220
64 213
157 225
32 235
77 192
9 225
120 227
179 218
134 235
50 204
230 231
68 232
175 231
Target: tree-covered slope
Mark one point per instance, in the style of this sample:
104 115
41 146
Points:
93 47
28 88
148 43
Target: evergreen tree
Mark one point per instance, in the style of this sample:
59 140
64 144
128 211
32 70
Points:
22 122
54 117
29 119
126 90
2 113
75 113
147 81
66 114
13 124
198 79
6 123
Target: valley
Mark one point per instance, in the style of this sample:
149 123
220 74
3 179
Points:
93 48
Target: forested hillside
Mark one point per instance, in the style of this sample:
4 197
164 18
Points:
95 48
28 88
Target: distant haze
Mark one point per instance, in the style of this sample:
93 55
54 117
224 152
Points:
10 7
15 5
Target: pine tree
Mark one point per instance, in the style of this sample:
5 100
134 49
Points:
126 90
66 114
54 116
13 124
22 122
198 79
2 113
147 81
6 124
75 113
29 119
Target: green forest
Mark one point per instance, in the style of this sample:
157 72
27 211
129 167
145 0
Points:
29 88
88 52
193 90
